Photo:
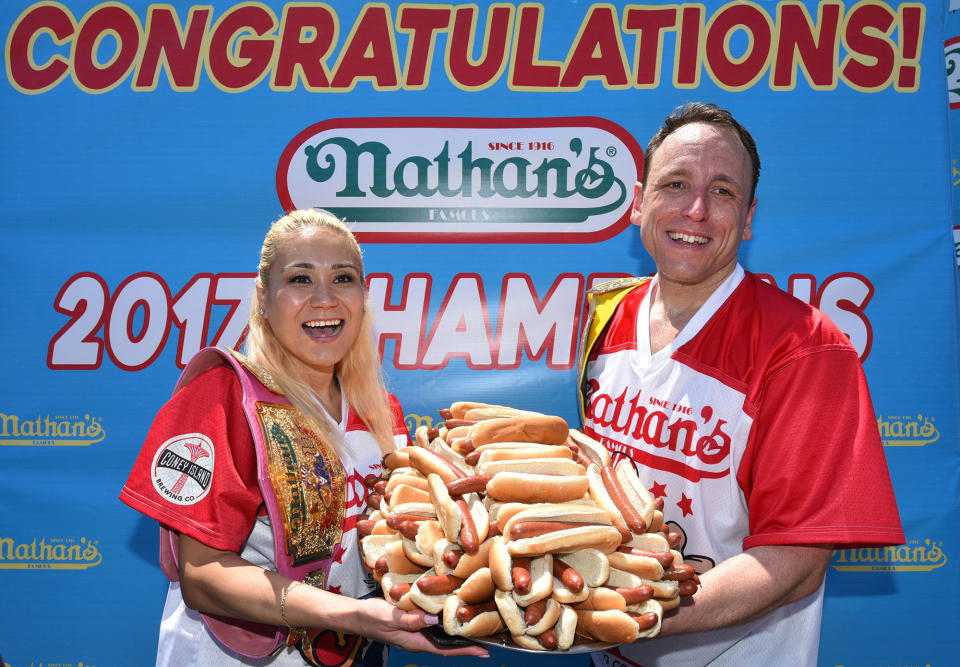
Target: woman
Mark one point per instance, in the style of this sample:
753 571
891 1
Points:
258 467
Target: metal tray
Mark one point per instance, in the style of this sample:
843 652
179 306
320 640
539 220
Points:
502 641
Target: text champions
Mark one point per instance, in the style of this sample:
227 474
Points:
868 46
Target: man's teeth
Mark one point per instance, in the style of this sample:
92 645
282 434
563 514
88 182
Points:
689 238
322 323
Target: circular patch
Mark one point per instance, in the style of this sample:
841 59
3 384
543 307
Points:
183 468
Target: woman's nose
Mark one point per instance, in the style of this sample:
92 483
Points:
321 295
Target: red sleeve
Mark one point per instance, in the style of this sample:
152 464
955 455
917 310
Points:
197 469
399 424
814 470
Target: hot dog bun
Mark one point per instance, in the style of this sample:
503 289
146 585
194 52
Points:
591 449
431 600
403 601
642 566
530 427
466 564
483 624
610 625
478 587
589 527
541 581
525 487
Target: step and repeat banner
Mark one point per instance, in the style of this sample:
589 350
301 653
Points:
485 154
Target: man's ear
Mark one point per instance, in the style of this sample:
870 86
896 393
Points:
637 200
747 227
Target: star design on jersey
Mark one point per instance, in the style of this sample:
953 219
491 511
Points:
334 589
684 504
658 490
338 552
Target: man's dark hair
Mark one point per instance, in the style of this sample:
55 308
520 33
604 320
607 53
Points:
703 112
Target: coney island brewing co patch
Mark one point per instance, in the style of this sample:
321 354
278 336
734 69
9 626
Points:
182 468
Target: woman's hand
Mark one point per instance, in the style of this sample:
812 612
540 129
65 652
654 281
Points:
221 582
384 622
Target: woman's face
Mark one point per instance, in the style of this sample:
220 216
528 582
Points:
315 299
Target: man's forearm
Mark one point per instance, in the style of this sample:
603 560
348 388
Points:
750 585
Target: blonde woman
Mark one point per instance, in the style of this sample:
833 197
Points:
259 466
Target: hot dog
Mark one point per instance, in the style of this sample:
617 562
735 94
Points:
642 566
420 548
546 612
591 449
404 493
398 458
463 520
560 637
565 527
620 627
396 589
545 429
427 462
469 484
374 547
478 587
470 619
526 579
430 590
450 558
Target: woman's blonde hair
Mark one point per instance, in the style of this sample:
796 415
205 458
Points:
359 372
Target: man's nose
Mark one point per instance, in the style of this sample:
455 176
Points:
696 208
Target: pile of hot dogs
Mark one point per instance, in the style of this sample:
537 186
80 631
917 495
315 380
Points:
503 520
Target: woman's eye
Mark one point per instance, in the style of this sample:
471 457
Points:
300 278
343 278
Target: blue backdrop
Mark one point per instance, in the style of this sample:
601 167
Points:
146 147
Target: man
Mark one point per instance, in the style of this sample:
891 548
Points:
745 409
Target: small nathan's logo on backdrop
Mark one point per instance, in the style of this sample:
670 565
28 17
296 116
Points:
914 556
183 468
498 180
49 554
907 431
50 430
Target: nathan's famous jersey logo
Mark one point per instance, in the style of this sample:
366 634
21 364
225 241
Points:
49 554
50 430
907 431
465 179
913 556
669 433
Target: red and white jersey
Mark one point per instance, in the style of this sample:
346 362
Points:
228 512
755 426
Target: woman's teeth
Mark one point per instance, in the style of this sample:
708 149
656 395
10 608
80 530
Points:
323 327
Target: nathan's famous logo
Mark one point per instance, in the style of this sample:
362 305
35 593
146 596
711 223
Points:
414 421
669 432
465 179
913 556
50 430
52 554
951 55
907 431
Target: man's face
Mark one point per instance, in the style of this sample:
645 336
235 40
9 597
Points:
693 210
